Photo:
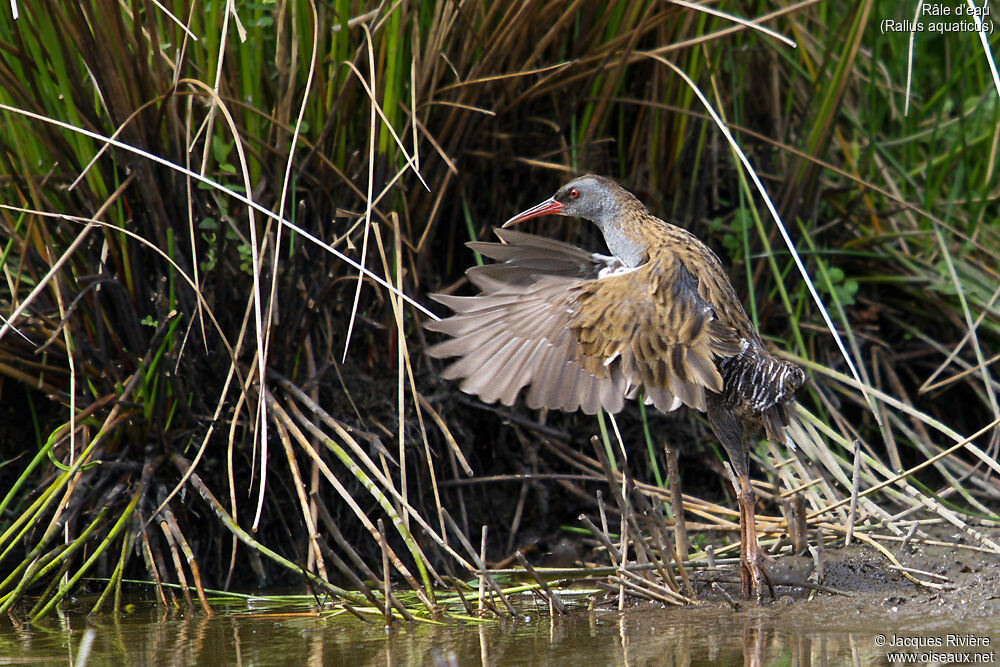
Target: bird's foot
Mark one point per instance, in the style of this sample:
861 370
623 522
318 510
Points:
752 572
754 576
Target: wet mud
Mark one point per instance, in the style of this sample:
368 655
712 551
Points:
956 583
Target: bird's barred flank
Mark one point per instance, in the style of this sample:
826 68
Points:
757 381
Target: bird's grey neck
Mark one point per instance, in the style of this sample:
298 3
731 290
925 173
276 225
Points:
626 247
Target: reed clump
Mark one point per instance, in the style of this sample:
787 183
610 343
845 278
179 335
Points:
196 376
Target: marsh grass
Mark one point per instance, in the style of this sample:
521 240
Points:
203 389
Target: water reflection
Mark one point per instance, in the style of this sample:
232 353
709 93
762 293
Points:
801 633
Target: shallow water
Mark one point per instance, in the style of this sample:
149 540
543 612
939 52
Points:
819 632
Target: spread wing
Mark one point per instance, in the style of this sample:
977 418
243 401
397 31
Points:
652 324
515 335
526 257
581 331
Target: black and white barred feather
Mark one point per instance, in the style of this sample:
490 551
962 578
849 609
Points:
758 386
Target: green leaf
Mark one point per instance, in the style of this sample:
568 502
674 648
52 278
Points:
220 149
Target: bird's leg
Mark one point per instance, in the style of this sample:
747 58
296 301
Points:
731 430
752 572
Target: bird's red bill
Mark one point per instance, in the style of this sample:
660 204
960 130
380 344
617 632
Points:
547 207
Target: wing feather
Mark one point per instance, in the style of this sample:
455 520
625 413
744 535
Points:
658 326
579 333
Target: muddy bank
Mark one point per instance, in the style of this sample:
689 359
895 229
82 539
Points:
956 582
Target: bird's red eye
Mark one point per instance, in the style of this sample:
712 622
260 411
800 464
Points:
574 193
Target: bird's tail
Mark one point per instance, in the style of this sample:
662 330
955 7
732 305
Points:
775 420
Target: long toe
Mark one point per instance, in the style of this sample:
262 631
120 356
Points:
759 575
754 578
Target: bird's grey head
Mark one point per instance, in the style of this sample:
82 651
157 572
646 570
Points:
592 197
603 202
